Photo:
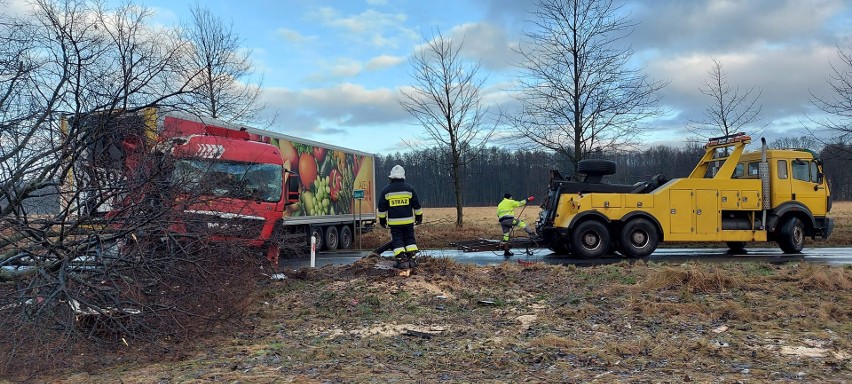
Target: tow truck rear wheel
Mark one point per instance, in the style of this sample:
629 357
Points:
332 240
639 238
590 239
736 247
791 237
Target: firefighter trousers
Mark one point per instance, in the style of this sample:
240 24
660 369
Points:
402 238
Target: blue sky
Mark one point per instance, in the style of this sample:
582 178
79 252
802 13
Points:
332 70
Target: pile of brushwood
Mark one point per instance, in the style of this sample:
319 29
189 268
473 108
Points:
448 322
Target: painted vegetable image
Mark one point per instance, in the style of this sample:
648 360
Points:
335 184
307 169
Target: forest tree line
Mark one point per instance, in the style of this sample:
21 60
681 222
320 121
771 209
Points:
494 171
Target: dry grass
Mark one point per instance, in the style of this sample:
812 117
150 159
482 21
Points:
448 322
639 322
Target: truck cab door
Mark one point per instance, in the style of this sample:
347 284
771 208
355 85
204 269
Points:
808 185
291 187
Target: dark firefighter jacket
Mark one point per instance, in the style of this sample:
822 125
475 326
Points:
398 203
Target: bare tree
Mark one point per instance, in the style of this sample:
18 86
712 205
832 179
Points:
76 80
732 109
223 88
838 107
578 90
446 99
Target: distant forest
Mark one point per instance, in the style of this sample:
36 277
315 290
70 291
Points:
496 171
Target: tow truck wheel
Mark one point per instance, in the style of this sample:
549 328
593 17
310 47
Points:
317 233
590 239
345 237
560 246
331 238
639 238
736 247
791 237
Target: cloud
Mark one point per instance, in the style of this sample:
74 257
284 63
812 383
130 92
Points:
376 28
719 26
294 36
344 105
487 43
786 77
383 61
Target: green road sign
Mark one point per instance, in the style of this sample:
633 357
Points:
358 194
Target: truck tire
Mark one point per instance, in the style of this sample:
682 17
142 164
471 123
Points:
791 237
317 232
560 247
736 247
596 167
639 238
332 240
590 239
345 237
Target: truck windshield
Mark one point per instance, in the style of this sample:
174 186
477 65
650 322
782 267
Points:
248 181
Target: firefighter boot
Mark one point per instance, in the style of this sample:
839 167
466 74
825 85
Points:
412 263
401 262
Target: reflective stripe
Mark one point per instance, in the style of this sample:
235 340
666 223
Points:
383 214
418 211
401 220
397 251
412 247
390 195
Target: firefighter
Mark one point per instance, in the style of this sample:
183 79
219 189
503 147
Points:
506 216
400 209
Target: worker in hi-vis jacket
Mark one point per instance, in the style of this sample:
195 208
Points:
506 216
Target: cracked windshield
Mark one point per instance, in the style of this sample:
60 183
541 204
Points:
231 179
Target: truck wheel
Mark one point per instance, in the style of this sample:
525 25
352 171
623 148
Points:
590 239
736 247
560 247
791 237
596 167
639 238
331 238
345 237
317 232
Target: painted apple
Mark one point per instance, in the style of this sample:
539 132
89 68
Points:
319 154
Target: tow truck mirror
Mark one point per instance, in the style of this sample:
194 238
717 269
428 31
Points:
292 188
820 177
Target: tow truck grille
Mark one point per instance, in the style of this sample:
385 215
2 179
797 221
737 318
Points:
213 225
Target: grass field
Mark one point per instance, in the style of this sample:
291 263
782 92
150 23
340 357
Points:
481 222
636 322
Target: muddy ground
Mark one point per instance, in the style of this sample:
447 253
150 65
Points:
447 322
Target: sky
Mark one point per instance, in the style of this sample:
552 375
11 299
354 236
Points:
332 70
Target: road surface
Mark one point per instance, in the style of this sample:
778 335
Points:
833 256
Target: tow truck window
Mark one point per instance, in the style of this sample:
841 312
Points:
782 169
801 170
739 170
814 172
753 168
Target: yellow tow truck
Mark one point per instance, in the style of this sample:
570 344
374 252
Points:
730 196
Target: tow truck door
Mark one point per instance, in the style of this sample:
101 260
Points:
808 186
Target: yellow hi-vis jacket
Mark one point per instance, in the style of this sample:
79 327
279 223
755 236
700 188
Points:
507 207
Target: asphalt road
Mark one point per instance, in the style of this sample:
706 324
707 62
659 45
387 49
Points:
834 256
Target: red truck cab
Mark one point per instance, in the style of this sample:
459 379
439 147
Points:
235 184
